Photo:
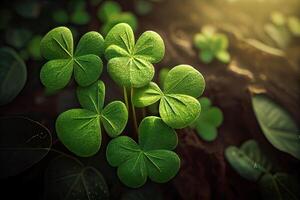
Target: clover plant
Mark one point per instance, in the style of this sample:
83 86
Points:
80 130
212 45
178 104
252 164
210 119
130 62
57 47
110 13
130 65
152 157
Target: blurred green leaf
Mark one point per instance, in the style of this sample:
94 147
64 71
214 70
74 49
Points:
248 160
34 47
28 8
279 186
13 75
143 7
67 178
294 25
18 37
23 143
277 125
60 16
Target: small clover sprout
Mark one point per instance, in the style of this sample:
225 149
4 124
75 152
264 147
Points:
79 15
210 119
151 157
110 13
57 47
178 106
130 63
212 45
79 129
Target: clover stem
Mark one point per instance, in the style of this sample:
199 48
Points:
126 98
133 113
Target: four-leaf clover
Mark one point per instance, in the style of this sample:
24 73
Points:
79 129
130 63
57 47
210 119
151 157
212 45
178 106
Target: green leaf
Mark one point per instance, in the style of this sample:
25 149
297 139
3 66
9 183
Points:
23 143
114 118
122 36
56 74
130 64
162 165
18 37
130 72
90 43
294 25
150 47
57 46
87 69
179 111
92 97
178 106
120 149
150 158
79 130
200 41
206 56
155 134
28 8
184 79
143 7
207 131
67 178
248 160
34 47
108 9
147 95
279 186
13 75
209 120
278 18
223 56
80 17
277 125
133 172
60 16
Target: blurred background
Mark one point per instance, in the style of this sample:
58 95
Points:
263 57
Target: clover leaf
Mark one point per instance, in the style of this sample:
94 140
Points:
130 63
57 47
110 13
210 119
277 125
79 129
178 106
151 157
212 45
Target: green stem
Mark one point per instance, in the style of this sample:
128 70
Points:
126 98
133 112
